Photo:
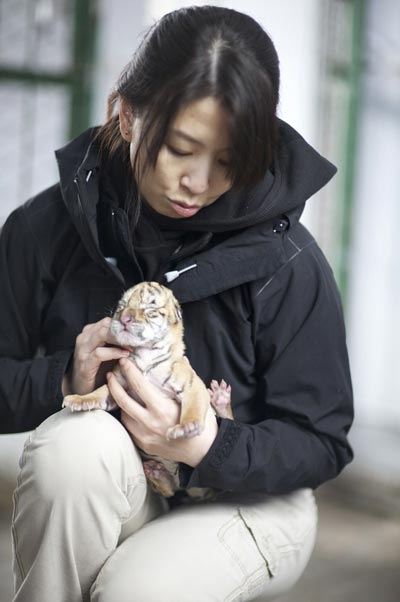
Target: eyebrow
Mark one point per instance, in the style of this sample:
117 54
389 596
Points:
189 138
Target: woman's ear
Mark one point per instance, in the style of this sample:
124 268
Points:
126 119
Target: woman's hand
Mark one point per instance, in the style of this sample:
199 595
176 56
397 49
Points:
148 424
91 351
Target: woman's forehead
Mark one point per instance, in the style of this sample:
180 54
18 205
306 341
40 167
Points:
202 122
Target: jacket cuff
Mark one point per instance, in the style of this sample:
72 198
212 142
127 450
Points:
59 363
206 473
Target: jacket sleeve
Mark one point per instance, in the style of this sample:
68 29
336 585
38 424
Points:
30 383
304 382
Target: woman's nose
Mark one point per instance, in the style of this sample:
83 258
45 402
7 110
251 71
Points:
197 181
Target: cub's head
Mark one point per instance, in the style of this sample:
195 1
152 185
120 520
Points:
146 313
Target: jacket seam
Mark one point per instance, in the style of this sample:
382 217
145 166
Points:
287 262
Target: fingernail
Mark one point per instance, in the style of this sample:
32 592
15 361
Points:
108 375
123 361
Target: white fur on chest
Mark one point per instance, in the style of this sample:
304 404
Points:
156 364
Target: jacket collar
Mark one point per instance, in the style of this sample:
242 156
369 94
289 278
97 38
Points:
298 172
80 156
253 253
249 248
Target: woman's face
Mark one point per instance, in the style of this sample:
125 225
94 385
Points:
191 168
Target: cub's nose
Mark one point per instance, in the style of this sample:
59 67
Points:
126 319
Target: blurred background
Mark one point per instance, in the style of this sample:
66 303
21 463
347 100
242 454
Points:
340 69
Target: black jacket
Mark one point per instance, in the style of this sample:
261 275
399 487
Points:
260 307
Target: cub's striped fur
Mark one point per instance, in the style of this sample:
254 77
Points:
148 322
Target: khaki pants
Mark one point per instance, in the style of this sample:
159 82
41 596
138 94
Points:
86 527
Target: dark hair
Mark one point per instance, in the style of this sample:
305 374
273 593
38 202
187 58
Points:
192 53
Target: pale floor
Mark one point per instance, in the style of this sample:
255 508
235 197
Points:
356 559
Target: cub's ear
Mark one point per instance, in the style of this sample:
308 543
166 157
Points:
174 309
178 310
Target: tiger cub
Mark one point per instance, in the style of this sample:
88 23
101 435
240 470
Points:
148 322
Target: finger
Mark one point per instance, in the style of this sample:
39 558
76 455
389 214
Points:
92 361
104 354
100 326
124 401
139 383
96 335
133 426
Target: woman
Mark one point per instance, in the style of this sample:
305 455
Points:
194 182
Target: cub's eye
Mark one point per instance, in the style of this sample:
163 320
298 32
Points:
151 313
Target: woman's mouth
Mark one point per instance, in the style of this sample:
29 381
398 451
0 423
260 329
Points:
183 209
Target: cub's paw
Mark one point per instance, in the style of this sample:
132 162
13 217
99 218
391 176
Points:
159 478
84 403
186 431
155 470
220 398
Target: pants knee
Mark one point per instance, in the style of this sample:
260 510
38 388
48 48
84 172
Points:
70 452
142 585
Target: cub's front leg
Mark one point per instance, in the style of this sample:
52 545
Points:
195 400
191 393
220 399
99 399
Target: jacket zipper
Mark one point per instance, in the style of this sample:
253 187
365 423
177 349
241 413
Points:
93 250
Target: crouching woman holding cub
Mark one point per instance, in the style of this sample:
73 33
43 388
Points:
193 183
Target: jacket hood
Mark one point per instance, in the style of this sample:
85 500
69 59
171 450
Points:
236 240
298 172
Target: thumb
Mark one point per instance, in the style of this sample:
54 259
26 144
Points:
139 383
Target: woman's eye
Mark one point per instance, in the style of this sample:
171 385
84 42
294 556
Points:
177 152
